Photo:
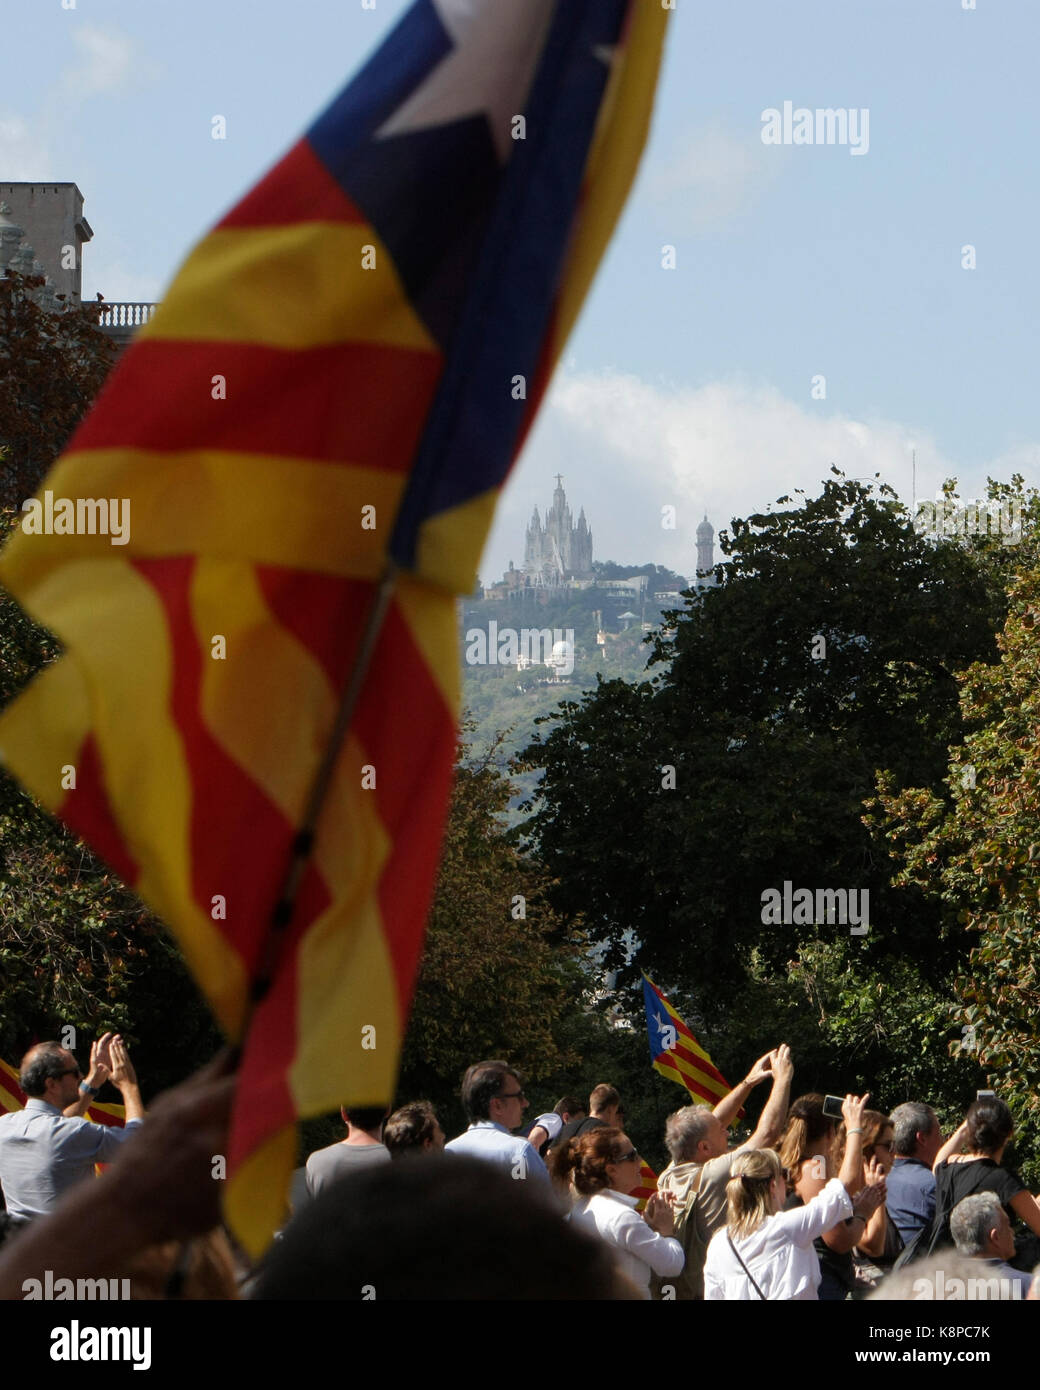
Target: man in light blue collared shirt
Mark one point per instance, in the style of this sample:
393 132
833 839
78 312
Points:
43 1151
495 1103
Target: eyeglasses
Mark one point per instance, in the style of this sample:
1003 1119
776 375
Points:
511 1095
70 1071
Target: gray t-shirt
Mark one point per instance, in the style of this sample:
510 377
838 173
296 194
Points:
326 1166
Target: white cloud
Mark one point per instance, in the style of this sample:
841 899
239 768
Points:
628 447
105 61
24 153
714 175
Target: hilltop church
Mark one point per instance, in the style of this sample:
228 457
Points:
559 550
558 554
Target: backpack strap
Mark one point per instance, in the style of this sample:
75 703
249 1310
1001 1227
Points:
754 1282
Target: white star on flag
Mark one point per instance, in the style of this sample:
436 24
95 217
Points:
497 44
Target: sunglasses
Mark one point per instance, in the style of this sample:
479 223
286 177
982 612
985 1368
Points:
627 1158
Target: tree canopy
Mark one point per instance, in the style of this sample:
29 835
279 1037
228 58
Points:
52 365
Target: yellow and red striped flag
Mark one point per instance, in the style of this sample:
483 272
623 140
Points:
252 546
676 1053
647 1185
12 1097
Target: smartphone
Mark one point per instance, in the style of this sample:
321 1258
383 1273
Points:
832 1107
985 1095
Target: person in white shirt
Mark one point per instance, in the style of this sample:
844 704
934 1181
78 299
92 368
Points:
604 1167
764 1252
494 1100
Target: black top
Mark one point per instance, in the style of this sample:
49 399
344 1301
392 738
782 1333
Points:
573 1128
954 1181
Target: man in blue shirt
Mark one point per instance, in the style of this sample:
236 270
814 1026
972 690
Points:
495 1103
910 1197
43 1149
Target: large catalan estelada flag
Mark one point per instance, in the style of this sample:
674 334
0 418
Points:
12 1098
676 1053
252 547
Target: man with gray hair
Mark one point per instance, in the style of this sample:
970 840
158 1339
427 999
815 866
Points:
695 1180
910 1189
981 1231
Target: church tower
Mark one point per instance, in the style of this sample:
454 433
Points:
557 550
705 555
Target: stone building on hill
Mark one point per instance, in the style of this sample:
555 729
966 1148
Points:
558 550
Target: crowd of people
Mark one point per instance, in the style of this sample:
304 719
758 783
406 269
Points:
827 1199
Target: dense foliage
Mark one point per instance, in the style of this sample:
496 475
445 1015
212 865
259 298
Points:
974 845
51 368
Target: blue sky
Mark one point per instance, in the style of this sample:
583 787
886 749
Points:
688 386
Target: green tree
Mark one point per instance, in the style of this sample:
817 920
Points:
52 365
974 846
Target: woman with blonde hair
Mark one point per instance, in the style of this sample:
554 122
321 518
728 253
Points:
604 1168
764 1252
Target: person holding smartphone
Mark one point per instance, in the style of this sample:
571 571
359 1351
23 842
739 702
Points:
808 1150
765 1253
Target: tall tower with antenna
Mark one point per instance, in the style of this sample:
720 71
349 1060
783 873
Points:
705 555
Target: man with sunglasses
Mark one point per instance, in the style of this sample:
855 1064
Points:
48 1147
494 1101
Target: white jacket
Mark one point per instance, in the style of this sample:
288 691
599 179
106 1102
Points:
638 1248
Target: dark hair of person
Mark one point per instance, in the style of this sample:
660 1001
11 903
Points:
366 1117
47 1061
407 1129
584 1160
568 1105
449 1228
481 1084
602 1096
989 1125
808 1132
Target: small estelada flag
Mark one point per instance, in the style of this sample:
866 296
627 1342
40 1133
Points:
676 1053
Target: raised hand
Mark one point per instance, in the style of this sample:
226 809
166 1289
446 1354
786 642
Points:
852 1108
100 1061
783 1065
762 1068
123 1073
875 1173
103 1049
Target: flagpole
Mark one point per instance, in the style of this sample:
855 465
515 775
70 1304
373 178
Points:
303 840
